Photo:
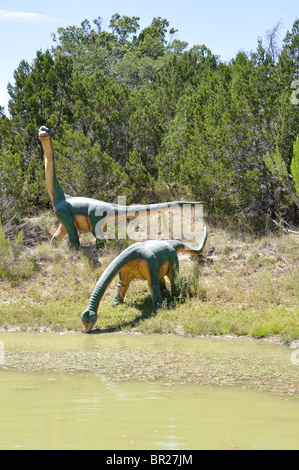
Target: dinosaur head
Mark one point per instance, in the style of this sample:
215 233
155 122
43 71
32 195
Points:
44 133
88 318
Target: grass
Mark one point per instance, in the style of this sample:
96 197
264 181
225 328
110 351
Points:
240 286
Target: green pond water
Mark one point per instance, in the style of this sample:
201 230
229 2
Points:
135 392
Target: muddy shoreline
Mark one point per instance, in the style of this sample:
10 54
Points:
45 329
229 361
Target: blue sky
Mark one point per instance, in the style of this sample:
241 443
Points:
225 27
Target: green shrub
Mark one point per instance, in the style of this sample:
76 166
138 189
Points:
16 262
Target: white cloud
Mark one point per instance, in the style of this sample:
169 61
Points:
20 16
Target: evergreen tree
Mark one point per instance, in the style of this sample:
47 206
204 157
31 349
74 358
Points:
132 112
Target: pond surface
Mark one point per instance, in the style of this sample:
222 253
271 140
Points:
56 393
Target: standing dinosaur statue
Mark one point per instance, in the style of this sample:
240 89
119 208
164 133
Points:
86 214
151 261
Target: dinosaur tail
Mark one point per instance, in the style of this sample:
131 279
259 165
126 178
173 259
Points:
183 248
151 209
103 283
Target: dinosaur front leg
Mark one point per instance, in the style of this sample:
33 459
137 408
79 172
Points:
149 270
67 220
73 236
173 272
172 275
171 278
162 285
121 288
157 299
154 284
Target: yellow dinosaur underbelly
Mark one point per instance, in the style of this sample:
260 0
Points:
83 223
138 269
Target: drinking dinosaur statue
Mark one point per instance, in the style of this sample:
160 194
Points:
151 261
85 214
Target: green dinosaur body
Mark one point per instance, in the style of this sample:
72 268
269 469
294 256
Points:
85 214
151 261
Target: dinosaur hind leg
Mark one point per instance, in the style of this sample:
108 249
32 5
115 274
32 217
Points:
59 234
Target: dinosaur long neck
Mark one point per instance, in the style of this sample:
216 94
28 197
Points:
107 277
54 189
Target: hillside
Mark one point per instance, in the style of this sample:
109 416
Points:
241 285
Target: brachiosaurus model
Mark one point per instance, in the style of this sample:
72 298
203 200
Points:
85 214
151 261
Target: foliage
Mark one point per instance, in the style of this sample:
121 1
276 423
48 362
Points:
295 166
15 263
133 112
278 168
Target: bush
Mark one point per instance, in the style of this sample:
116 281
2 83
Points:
16 262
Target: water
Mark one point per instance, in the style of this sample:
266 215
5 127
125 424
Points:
89 410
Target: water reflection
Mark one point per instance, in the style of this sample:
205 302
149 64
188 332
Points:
88 410
172 442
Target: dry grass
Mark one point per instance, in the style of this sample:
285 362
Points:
241 285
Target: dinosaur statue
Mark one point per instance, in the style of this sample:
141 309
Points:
86 214
151 260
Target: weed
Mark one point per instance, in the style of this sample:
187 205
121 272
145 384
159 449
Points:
246 286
